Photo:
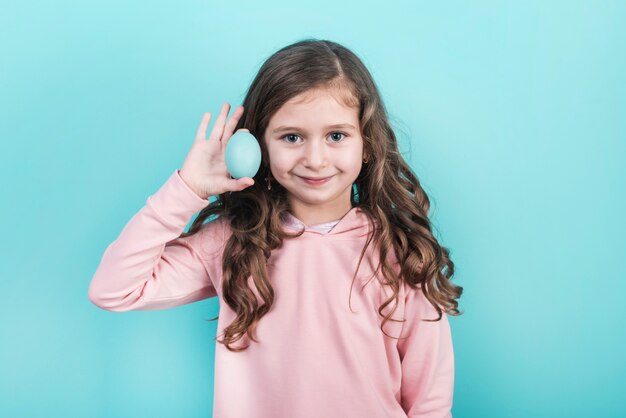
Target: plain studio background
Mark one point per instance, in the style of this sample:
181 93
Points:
511 113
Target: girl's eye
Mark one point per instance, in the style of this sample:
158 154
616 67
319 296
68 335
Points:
340 133
288 136
293 135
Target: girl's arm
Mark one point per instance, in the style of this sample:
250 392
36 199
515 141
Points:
427 360
148 267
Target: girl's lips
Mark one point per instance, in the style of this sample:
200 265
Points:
315 182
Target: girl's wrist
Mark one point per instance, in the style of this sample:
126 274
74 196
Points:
182 176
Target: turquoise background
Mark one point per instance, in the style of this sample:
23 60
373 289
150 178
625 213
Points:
513 115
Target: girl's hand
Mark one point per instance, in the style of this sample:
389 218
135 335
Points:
204 169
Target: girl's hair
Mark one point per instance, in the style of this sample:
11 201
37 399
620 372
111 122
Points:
386 190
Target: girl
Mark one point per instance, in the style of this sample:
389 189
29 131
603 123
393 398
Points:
282 252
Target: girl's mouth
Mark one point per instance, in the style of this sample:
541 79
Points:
315 182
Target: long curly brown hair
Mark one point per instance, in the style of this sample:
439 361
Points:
386 189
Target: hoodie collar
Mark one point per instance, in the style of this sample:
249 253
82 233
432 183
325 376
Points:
354 223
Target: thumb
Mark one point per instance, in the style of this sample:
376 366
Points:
242 183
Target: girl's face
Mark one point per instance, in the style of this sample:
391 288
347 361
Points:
303 143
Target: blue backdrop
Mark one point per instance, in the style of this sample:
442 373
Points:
513 115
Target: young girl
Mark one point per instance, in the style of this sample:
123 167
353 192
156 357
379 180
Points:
333 203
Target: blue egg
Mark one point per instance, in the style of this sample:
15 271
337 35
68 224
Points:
243 155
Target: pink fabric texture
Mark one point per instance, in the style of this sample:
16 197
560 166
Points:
321 351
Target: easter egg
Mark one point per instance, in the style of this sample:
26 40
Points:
242 155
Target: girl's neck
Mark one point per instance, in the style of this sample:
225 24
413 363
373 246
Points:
324 227
312 218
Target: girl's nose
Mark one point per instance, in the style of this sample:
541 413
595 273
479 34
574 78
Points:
315 154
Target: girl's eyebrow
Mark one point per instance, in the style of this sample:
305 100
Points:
294 128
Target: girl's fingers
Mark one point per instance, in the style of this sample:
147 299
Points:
232 123
241 183
204 124
218 128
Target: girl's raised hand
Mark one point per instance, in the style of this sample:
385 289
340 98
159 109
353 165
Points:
204 169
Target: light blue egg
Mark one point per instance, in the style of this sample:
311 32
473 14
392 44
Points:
242 155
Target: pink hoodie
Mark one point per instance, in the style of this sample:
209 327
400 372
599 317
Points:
318 355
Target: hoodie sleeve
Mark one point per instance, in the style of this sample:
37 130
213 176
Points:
427 360
148 267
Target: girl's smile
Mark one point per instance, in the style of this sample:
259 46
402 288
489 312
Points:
316 181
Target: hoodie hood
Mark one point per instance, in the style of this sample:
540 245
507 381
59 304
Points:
354 223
